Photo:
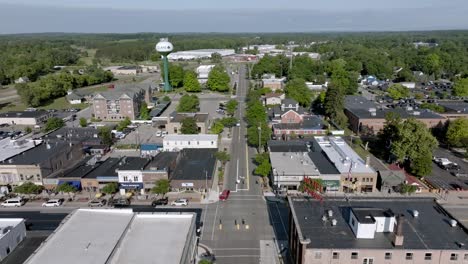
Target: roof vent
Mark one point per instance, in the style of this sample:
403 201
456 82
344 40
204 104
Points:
330 213
334 222
324 218
453 223
415 213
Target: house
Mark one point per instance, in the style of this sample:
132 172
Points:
288 106
26 118
13 233
390 180
120 236
23 79
125 70
270 81
173 122
374 230
454 109
203 71
78 96
174 142
121 102
194 171
273 98
409 85
368 117
317 87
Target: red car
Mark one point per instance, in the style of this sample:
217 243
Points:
224 195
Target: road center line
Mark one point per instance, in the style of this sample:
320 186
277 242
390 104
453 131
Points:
214 221
204 217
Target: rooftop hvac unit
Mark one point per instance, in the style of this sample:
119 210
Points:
334 222
416 113
453 223
415 213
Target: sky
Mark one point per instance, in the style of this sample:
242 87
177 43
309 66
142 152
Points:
124 16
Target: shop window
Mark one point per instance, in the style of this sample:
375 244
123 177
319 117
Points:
354 255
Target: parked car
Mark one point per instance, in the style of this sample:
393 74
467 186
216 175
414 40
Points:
119 202
224 195
159 133
180 202
97 203
162 201
53 203
164 133
450 166
207 256
13 202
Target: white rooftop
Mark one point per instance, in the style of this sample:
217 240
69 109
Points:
195 137
293 163
8 223
10 148
116 236
342 155
164 233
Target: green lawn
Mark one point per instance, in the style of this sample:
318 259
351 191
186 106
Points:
62 103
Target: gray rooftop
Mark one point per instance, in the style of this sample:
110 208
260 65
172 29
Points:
320 159
39 154
292 164
287 146
178 117
24 114
460 107
10 148
116 236
120 90
111 165
195 164
392 177
163 160
431 230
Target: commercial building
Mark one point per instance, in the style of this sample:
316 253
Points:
121 102
373 230
175 142
160 167
327 158
194 170
270 81
125 70
454 109
367 117
199 54
10 147
120 236
173 122
39 162
12 232
27 118
203 71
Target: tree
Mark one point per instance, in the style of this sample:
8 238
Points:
229 121
83 122
252 134
123 124
204 261
231 107
222 156
431 64
297 90
398 91
218 79
166 99
457 132
189 126
54 123
263 164
65 188
334 106
407 188
105 135
110 188
216 58
176 76
144 111
191 83
28 188
28 130
461 87
217 127
256 113
161 186
188 103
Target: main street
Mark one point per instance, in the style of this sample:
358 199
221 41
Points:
243 229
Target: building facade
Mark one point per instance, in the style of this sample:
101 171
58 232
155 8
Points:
198 141
13 232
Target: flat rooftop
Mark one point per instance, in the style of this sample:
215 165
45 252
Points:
38 154
23 114
110 166
150 234
116 236
342 155
431 230
293 163
195 164
10 148
287 146
8 223
202 137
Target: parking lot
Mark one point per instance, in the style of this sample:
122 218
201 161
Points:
443 179
141 135
209 102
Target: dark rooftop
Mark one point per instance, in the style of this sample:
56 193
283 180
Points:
287 146
162 161
110 166
25 114
430 230
39 154
81 169
320 159
366 215
460 107
178 117
74 134
195 164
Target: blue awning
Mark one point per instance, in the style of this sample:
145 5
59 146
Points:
76 184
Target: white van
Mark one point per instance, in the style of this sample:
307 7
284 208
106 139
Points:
13 202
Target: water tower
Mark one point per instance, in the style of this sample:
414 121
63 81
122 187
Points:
164 47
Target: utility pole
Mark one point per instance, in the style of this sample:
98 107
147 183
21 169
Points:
206 181
259 139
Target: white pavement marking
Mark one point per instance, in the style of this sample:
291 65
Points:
214 222
239 256
282 223
223 249
243 199
204 217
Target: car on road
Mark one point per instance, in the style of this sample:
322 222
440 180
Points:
164 133
97 203
224 195
159 133
119 202
207 256
451 167
180 202
13 202
53 203
162 201
238 125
